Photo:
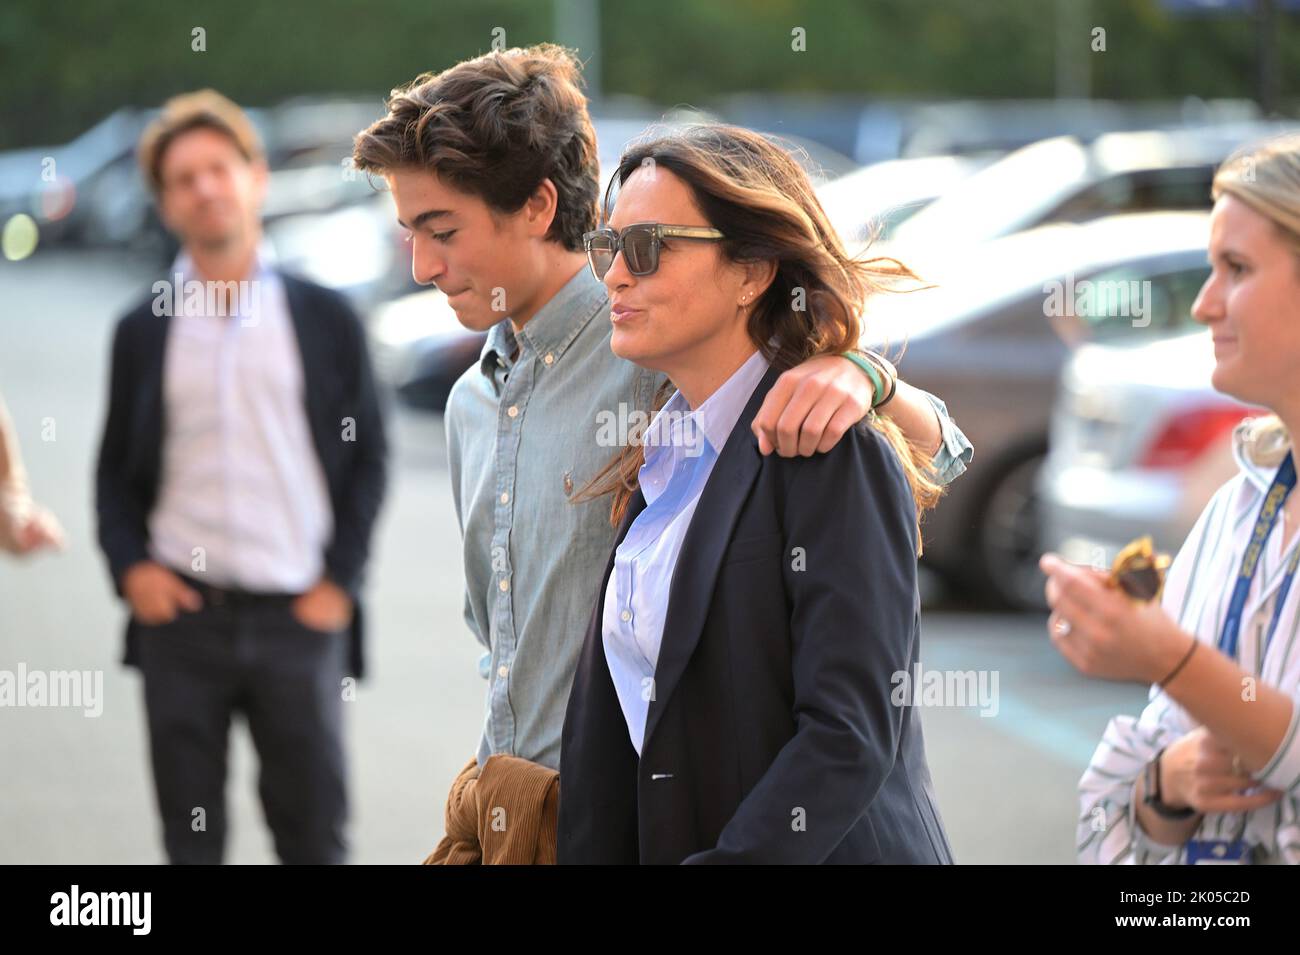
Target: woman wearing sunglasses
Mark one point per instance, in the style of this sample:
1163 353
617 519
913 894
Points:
1209 771
735 699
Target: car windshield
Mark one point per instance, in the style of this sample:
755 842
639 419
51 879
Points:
886 193
1003 197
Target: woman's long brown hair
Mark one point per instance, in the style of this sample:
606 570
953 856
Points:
759 197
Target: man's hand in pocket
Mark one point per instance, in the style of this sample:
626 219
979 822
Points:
157 595
326 606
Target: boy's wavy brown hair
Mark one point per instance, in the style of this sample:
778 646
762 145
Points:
495 127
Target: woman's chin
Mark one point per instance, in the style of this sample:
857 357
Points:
626 345
1222 377
1226 381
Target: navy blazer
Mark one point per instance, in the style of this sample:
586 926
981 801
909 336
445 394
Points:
771 736
337 384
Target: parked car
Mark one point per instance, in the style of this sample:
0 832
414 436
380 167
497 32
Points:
90 190
1065 180
1140 441
874 200
356 249
62 186
420 348
967 126
991 341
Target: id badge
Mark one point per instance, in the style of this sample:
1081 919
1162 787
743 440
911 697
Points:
1218 852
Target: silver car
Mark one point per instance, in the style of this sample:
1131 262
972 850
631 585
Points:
991 341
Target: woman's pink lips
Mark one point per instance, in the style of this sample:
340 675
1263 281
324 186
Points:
620 312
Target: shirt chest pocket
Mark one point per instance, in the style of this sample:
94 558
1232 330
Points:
765 547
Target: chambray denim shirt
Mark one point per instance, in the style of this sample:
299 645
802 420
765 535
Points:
524 435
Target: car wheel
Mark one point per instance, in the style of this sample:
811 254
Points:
1006 544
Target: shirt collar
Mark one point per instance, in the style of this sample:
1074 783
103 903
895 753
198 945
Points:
497 349
715 418
262 277
550 332
264 262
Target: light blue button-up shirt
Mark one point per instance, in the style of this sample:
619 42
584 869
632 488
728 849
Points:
681 447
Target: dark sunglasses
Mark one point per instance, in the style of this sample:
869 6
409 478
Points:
639 244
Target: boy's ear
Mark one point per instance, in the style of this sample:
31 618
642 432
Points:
541 207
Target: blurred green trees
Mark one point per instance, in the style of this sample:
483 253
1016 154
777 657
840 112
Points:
64 65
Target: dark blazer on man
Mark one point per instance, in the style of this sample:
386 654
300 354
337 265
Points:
337 384
771 735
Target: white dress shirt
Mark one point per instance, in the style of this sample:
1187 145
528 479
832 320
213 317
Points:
681 447
243 501
1198 587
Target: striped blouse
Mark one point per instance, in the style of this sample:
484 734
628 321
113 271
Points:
1197 590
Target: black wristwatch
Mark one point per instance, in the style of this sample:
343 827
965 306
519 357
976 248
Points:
1152 796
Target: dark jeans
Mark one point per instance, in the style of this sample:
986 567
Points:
248 655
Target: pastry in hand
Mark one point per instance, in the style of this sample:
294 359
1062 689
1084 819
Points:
1139 571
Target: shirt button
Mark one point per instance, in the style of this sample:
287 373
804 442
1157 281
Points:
626 615
513 411
503 671
505 497
504 585
549 359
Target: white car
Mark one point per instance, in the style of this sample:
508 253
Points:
874 200
1065 180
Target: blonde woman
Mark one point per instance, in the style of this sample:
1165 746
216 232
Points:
1209 770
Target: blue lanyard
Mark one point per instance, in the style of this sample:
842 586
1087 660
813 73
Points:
1273 501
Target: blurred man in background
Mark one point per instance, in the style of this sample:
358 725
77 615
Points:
240 472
